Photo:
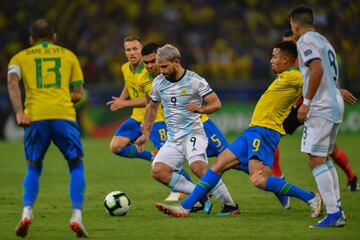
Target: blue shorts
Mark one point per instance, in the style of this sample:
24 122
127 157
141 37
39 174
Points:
64 133
217 141
131 129
255 142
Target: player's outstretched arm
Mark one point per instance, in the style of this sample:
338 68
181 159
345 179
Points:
16 101
146 126
348 96
213 104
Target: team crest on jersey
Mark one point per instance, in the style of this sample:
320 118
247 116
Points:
183 91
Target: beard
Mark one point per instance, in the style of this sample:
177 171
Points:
171 77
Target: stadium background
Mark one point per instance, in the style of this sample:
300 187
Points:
227 42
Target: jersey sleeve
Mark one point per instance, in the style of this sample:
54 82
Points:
203 87
14 67
308 50
77 77
154 94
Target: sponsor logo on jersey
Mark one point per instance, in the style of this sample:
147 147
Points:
308 52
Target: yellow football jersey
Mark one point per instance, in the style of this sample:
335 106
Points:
138 84
275 104
204 118
160 117
48 72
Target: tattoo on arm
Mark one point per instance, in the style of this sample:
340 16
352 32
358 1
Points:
76 93
14 92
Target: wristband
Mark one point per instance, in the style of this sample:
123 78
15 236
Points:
306 102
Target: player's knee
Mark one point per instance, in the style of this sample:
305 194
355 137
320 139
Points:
198 168
257 179
115 147
160 174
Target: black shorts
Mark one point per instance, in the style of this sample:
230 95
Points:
291 123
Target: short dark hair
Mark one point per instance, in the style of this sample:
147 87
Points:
288 47
288 33
149 48
132 38
302 14
42 29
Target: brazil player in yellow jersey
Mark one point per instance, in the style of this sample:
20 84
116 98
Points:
137 84
254 150
53 82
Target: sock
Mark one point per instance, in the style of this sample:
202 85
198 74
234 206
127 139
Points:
276 169
179 183
77 184
31 185
342 160
206 183
280 186
335 178
221 192
325 185
130 151
185 174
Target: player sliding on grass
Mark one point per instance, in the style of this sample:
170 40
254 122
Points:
182 93
254 150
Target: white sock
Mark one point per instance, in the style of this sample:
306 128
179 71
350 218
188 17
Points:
335 178
221 192
325 185
179 183
76 213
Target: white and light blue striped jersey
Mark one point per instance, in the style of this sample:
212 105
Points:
327 101
190 88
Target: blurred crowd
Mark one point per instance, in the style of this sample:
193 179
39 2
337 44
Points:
229 42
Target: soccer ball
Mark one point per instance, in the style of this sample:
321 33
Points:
117 203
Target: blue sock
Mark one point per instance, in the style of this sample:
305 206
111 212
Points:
31 185
280 186
77 184
130 151
185 174
206 183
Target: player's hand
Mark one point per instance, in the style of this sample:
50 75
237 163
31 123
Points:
23 120
302 112
348 96
141 142
194 108
116 103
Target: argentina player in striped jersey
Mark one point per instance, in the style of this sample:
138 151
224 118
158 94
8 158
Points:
182 93
322 109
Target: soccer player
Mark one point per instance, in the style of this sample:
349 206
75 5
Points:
291 123
133 95
138 82
254 150
53 83
181 93
217 141
322 109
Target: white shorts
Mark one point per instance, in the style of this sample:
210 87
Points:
190 148
319 136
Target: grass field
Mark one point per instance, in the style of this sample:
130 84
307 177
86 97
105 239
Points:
261 215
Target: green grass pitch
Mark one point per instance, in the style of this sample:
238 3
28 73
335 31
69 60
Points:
261 215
